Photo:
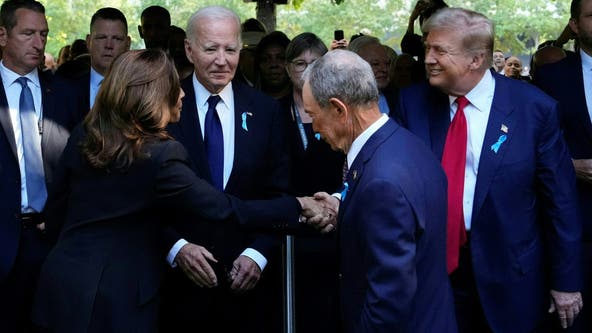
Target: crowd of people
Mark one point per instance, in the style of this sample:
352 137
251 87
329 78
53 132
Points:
436 190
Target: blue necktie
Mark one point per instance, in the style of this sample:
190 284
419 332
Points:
214 141
35 177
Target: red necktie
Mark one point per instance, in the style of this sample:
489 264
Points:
454 161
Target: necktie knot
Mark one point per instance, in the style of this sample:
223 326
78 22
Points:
22 81
213 101
461 102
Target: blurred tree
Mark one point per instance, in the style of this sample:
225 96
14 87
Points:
533 20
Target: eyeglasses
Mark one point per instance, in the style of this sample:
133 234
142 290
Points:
300 65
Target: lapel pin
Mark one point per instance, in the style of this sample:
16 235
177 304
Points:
504 129
244 119
496 146
355 174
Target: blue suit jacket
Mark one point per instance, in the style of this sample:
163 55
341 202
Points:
575 120
59 117
392 231
525 228
260 168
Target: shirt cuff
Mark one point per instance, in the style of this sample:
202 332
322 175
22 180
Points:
256 256
174 250
337 195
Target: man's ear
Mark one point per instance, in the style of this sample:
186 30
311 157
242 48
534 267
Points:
188 50
573 24
128 41
477 61
3 36
338 107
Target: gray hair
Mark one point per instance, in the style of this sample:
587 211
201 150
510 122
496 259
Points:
361 42
212 12
476 30
344 75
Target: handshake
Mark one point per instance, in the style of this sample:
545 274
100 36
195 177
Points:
320 211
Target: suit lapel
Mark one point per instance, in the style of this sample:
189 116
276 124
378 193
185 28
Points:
439 119
46 123
358 166
574 72
5 121
242 105
191 131
489 161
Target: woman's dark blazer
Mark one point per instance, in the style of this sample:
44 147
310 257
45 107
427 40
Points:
105 271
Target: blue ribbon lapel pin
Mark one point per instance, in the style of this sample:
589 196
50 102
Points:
244 120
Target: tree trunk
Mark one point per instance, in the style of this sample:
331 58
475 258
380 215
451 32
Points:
266 14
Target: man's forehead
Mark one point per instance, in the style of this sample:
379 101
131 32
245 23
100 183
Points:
102 23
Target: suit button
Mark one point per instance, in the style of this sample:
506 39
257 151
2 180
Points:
339 276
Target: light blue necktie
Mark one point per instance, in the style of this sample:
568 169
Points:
36 189
214 142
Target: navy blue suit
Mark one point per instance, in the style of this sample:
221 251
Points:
392 234
260 170
23 249
564 82
525 227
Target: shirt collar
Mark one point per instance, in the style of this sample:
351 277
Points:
480 94
202 94
11 76
95 77
361 140
586 61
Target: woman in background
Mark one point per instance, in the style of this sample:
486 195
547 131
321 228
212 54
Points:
315 167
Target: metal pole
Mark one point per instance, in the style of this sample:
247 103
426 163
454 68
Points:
289 297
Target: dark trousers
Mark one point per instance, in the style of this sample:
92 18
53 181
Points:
185 305
469 313
18 288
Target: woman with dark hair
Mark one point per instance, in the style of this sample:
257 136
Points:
315 167
122 177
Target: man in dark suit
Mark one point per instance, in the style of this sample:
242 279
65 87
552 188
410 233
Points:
570 82
252 164
34 128
392 220
511 182
107 40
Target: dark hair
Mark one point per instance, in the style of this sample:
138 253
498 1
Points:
437 5
303 42
575 9
273 38
109 13
131 108
157 11
78 47
8 10
253 24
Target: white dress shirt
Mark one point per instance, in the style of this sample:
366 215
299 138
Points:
95 82
587 74
13 92
477 114
361 140
225 109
